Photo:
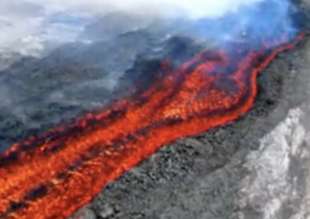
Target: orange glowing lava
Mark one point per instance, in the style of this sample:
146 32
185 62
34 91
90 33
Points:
52 175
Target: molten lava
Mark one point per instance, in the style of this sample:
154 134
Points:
54 174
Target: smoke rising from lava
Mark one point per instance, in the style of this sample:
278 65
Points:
57 21
220 22
249 23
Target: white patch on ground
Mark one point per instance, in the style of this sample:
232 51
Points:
269 184
84 213
304 209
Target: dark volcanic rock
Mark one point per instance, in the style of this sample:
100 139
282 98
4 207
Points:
38 93
147 67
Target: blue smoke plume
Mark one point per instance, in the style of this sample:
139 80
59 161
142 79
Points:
270 21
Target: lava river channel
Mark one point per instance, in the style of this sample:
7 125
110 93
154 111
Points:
57 172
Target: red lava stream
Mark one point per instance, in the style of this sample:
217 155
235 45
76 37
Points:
54 174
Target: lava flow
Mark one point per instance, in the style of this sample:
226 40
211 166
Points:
54 174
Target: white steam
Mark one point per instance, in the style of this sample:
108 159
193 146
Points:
30 26
191 8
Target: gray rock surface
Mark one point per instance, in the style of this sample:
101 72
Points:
85 213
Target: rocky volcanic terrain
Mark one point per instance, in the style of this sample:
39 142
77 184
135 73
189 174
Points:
257 167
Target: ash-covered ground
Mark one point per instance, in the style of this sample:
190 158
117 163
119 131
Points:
257 167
